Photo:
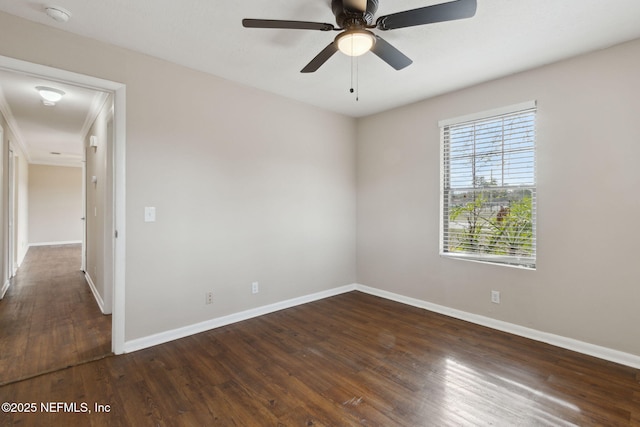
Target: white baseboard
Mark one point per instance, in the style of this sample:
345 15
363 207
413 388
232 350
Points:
95 292
174 334
556 340
66 242
5 288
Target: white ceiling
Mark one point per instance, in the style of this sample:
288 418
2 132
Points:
505 36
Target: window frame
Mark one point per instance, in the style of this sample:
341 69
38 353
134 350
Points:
493 259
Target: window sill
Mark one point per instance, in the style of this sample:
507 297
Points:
522 263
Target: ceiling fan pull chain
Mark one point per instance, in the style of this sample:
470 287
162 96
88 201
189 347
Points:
351 86
354 58
357 80
357 73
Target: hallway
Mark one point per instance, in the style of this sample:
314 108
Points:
49 318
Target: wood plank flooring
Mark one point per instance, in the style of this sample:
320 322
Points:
349 360
49 318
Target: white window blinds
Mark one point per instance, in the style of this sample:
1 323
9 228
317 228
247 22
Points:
489 187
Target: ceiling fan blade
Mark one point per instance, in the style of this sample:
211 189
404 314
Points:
390 54
451 11
291 25
320 59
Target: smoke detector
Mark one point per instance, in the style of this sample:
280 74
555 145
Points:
57 13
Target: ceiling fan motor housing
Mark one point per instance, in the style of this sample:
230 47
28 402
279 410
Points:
349 18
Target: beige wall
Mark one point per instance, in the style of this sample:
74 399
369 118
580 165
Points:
248 186
55 204
586 283
98 213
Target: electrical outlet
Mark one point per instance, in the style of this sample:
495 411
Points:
495 297
209 298
255 287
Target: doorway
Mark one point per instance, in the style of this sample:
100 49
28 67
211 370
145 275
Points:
115 204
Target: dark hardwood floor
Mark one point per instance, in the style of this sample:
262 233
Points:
49 318
349 360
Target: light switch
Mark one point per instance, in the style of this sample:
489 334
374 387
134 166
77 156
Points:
149 214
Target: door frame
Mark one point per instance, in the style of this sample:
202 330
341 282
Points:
4 276
117 227
83 257
11 213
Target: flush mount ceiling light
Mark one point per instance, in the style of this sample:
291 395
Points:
49 95
57 13
355 42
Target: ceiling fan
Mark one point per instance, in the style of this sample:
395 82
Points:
355 20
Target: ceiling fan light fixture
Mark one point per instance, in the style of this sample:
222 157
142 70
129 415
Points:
355 42
49 95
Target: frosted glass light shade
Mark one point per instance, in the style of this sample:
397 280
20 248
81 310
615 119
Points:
355 42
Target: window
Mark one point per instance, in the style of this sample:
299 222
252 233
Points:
489 186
